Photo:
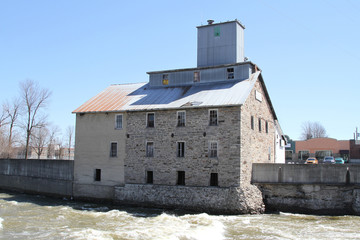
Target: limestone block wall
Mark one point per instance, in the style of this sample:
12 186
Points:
232 200
197 135
257 145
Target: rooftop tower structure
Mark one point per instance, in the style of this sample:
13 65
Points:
220 43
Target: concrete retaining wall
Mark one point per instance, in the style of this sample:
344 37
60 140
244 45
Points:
312 189
306 173
48 177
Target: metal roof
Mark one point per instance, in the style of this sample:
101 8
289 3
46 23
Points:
141 97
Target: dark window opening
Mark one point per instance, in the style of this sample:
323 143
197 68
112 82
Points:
196 76
267 127
97 175
213 121
180 149
150 120
259 125
180 178
214 179
230 73
181 119
252 122
113 149
150 177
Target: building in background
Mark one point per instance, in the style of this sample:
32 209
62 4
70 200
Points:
321 147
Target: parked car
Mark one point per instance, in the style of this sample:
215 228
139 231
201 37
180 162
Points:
329 159
339 160
311 160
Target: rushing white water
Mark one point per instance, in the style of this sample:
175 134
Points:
35 217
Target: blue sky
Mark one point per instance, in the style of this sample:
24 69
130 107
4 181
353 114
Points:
308 51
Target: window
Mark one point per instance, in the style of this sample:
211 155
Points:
150 149
180 149
113 149
267 127
118 121
150 177
196 76
259 124
321 154
180 178
213 149
217 31
303 155
165 79
150 119
97 176
252 122
214 179
181 115
230 73
213 117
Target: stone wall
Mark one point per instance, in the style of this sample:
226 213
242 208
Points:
196 134
313 189
257 146
312 198
232 200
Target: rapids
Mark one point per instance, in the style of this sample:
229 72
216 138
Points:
36 217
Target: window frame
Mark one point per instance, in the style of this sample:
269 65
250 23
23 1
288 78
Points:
165 79
179 122
213 153
113 153
214 179
180 178
259 122
266 126
147 150
230 73
197 78
150 177
211 122
116 121
97 175
148 125
180 151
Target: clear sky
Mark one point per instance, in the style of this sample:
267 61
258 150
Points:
308 51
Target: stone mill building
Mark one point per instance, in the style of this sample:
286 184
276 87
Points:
187 138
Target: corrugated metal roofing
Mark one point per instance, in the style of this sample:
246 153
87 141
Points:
137 97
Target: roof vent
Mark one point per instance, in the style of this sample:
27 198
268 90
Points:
210 21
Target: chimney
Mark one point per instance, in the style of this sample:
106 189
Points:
210 21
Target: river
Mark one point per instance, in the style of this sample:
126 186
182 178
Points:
36 217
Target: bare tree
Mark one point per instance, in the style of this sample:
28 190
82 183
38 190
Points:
3 123
52 141
39 139
312 130
13 111
3 116
34 99
70 139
